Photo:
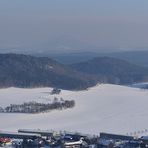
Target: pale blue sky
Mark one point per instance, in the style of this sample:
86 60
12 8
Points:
67 25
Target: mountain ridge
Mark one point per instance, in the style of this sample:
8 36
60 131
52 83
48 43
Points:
27 71
113 70
18 70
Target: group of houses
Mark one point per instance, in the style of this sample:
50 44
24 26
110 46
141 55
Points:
28 138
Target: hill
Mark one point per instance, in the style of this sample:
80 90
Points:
103 108
112 70
135 57
28 71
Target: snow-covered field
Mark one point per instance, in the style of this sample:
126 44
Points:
103 108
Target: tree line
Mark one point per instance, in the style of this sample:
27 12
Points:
35 107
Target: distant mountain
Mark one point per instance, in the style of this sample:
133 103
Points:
28 71
136 57
112 70
70 58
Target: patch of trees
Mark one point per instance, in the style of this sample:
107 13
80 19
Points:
35 107
55 91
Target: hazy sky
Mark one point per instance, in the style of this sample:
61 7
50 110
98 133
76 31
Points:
66 25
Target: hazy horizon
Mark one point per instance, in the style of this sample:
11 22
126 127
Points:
73 26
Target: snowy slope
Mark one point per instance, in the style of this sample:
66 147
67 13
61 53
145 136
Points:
103 108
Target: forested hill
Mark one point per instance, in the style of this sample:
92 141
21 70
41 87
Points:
112 70
28 71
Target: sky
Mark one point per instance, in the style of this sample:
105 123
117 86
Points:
73 25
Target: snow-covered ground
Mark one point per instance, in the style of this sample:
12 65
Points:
103 108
